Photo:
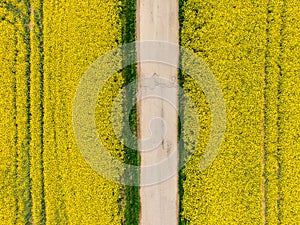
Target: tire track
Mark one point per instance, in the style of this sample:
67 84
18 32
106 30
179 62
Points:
16 132
271 160
37 122
279 91
21 101
27 160
263 161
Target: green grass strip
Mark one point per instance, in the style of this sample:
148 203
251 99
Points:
132 198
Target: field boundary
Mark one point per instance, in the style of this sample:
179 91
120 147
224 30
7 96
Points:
130 202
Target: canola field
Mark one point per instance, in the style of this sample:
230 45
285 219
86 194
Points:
46 46
253 49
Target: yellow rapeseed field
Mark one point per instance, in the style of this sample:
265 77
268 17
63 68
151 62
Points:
15 102
289 114
8 129
76 34
253 49
46 46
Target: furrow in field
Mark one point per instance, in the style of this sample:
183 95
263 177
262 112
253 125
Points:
37 115
271 101
24 115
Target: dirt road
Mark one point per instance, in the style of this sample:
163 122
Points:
158 20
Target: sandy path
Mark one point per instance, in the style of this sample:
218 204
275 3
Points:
158 20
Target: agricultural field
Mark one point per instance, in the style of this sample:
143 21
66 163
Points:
45 48
253 50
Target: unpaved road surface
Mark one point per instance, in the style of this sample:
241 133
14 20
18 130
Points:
158 20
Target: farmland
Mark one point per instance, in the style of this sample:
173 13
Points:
253 50
45 48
